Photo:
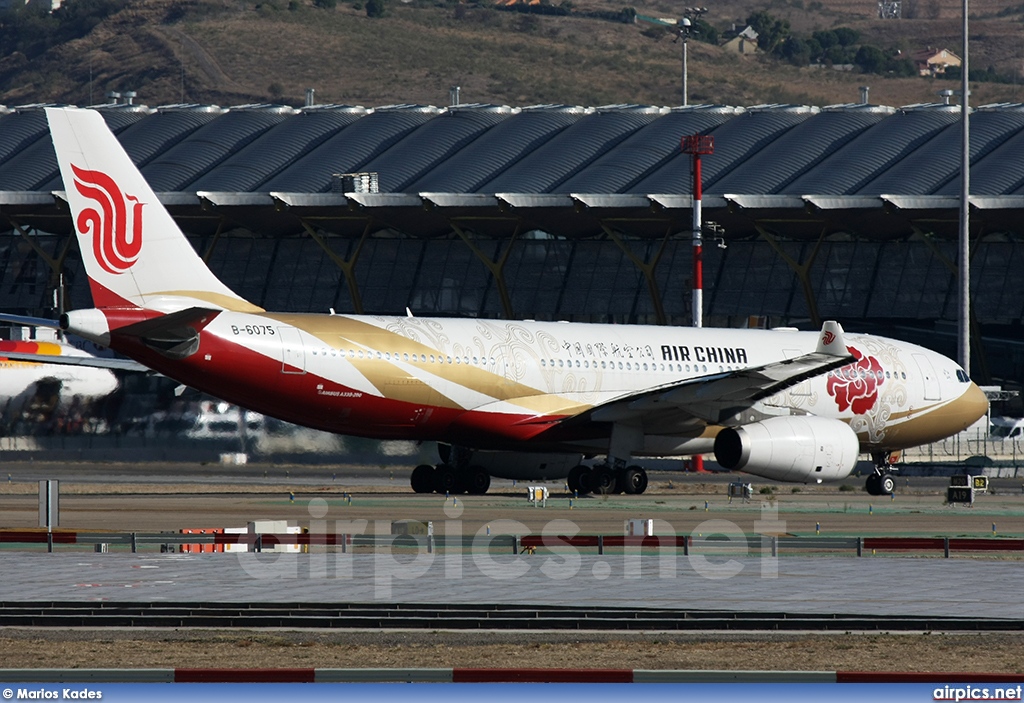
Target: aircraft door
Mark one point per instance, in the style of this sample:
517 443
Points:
293 353
932 390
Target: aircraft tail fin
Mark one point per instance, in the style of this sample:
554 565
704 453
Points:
134 253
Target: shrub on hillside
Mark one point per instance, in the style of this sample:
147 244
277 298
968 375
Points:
31 30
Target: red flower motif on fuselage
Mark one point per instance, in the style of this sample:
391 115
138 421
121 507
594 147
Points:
856 385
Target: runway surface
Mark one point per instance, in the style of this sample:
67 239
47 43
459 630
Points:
171 497
877 586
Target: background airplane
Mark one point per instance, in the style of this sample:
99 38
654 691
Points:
507 398
50 385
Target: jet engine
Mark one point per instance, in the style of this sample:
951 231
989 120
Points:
802 449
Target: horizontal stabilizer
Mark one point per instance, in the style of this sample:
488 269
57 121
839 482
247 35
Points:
182 325
176 336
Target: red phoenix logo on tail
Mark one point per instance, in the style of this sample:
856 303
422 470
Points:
115 250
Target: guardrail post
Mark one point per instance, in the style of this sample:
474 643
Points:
515 544
686 545
344 544
860 546
258 544
600 545
945 547
49 542
775 546
430 544
135 543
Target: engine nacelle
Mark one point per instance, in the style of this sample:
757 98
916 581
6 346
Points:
798 448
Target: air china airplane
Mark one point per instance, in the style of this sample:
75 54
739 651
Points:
504 398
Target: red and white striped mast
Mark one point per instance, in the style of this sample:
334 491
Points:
696 145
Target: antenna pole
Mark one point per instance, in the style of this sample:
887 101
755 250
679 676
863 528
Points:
964 331
686 36
696 145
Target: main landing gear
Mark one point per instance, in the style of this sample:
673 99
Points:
445 478
604 479
881 482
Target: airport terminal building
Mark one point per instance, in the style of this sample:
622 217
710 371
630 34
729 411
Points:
555 212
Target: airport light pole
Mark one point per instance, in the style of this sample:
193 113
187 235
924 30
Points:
683 28
684 32
964 327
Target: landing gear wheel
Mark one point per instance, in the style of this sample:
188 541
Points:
620 481
886 484
579 480
445 479
603 480
634 480
873 485
479 481
881 484
422 479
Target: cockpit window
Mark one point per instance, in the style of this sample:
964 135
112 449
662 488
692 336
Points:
962 376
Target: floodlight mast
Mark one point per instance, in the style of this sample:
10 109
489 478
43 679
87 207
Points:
964 322
683 28
684 32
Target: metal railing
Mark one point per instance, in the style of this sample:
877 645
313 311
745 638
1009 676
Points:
514 544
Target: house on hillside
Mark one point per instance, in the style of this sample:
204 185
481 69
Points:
743 43
934 62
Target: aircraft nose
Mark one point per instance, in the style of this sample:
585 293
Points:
972 405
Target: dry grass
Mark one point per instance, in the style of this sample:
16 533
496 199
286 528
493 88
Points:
983 652
235 52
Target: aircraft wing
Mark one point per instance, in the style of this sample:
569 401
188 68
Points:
97 362
30 321
717 397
